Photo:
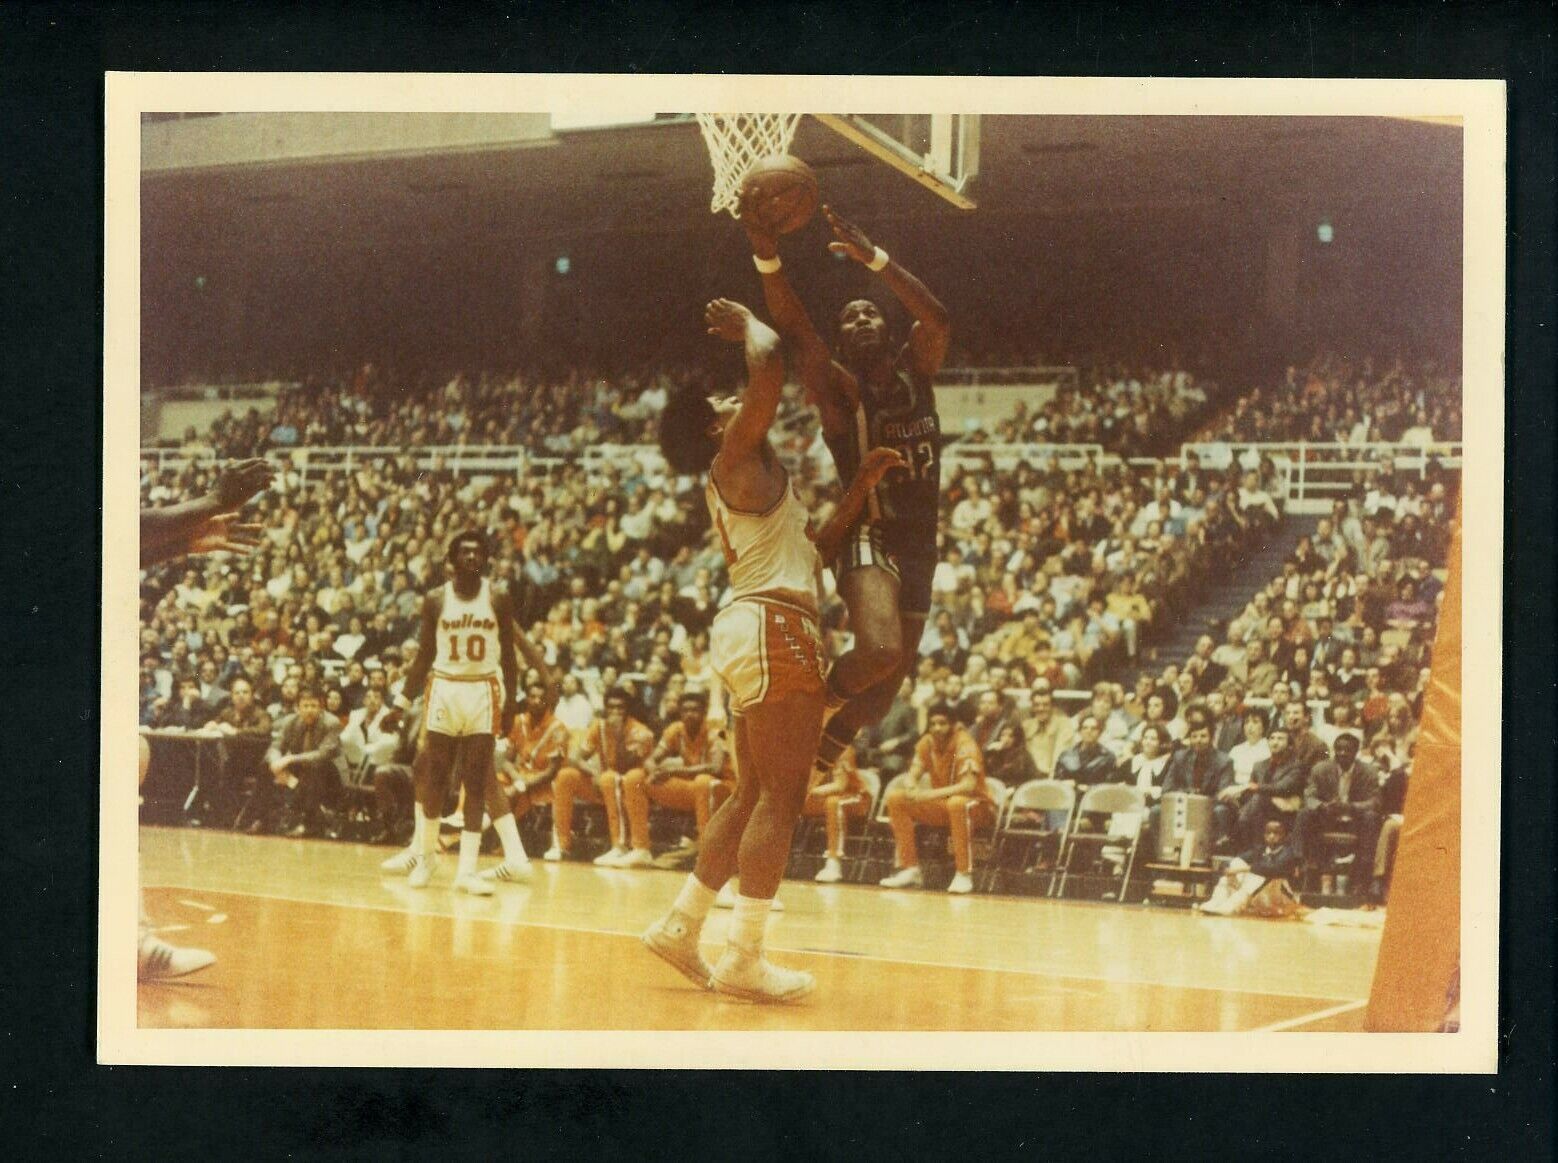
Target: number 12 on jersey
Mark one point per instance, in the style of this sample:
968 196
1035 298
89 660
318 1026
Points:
920 458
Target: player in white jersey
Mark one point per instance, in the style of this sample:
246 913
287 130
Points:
465 655
765 648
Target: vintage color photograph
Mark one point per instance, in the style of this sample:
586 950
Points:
614 570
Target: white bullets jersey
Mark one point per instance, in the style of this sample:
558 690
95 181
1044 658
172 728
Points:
467 634
767 553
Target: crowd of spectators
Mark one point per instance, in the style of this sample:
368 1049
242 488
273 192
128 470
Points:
1128 411
1339 401
1051 579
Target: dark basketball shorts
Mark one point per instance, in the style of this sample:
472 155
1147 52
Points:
911 561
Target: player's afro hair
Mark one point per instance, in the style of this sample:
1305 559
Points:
684 431
475 536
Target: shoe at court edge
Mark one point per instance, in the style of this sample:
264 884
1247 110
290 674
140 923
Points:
156 960
749 975
674 939
420 874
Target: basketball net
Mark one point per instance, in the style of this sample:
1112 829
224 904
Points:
737 142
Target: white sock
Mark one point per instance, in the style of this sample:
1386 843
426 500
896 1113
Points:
513 850
427 841
418 828
749 921
470 848
696 898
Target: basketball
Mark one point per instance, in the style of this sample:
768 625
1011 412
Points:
781 193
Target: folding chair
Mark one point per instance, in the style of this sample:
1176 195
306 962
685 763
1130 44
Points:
855 848
983 871
876 838
1038 797
1111 800
357 798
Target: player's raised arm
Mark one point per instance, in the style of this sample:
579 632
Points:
748 429
932 328
821 378
205 525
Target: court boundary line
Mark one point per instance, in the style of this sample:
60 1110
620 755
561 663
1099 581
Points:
1318 1015
1350 1002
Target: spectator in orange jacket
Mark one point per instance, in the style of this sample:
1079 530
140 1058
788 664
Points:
615 746
945 787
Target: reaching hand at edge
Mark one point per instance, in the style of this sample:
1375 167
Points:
220 534
237 483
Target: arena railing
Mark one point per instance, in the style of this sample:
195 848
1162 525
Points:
974 377
1316 474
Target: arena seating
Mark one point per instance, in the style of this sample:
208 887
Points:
1055 576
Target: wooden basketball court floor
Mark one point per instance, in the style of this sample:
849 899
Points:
311 935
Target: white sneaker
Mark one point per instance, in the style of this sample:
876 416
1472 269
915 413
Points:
744 974
401 862
910 877
637 858
961 883
474 885
421 874
156 960
553 854
831 872
674 940
727 899
610 858
509 873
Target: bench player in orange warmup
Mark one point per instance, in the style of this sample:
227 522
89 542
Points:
838 799
616 747
946 787
689 772
765 649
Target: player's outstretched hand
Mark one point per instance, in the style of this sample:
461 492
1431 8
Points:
879 462
765 244
236 483
220 534
850 239
727 319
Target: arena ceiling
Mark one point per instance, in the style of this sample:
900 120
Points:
655 178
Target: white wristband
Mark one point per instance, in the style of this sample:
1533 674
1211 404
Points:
766 266
879 260
402 703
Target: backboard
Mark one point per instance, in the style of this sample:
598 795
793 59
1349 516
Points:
938 150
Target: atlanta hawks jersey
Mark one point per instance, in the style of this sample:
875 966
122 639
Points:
903 503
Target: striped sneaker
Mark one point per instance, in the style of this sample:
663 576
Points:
157 960
509 873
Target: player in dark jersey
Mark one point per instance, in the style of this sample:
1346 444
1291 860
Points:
871 393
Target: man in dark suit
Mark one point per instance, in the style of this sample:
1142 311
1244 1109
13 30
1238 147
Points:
1307 747
305 761
1342 794
1200 769
888 745
1000 739
1275 790
1087 761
